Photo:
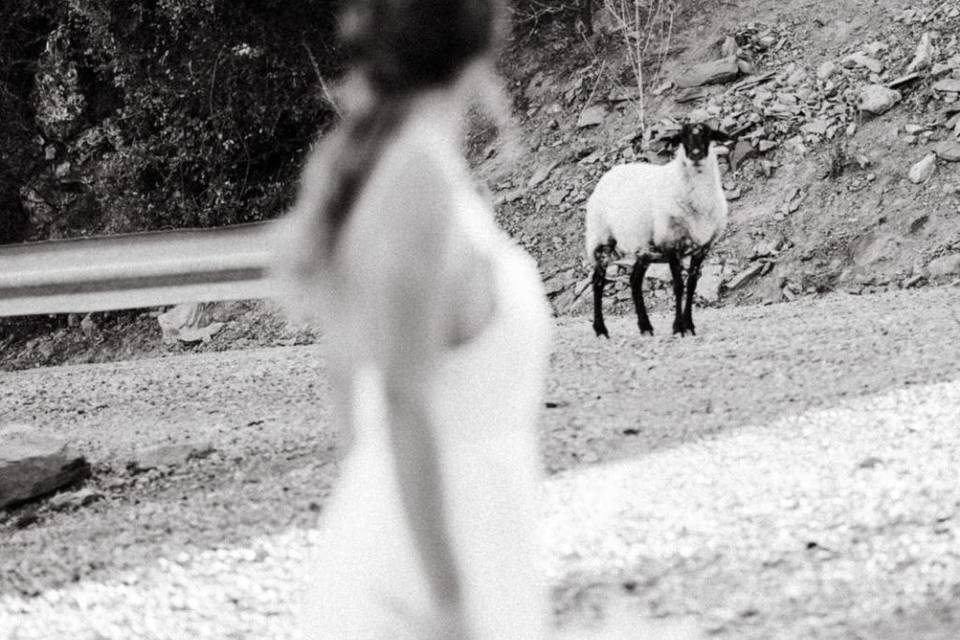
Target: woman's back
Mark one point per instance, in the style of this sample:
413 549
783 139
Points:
484 395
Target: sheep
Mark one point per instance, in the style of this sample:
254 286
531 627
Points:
658 213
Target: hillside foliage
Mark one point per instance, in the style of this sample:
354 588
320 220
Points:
120 116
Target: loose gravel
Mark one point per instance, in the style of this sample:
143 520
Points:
789 473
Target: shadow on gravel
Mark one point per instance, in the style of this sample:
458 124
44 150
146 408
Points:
274 460
632 395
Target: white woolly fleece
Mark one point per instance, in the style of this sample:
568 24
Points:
650 208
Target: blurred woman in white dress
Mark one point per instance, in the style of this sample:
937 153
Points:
437 331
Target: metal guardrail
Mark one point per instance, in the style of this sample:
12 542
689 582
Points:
135 270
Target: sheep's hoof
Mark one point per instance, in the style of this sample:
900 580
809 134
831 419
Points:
679 327
648 331
601 330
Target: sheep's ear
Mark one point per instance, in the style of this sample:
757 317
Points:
719 136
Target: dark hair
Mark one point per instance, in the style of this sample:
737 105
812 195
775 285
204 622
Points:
399 47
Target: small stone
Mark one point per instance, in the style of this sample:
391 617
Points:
711 278
766 145
922 170
592 116
75 499
169 456
745 276
923 55
914 281
732 194
555 197
541 173
826 69
875 48
877 99
861 59
742 151
729 47
951 85
746 67
945 266
88 326
941 68
948 150
767 41
797 77
816 127
721 70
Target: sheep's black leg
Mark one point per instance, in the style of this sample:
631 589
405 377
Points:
676 273
636 288
693 276
601 257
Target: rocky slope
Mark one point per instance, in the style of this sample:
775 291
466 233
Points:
845 172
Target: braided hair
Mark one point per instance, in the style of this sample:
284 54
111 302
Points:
398 48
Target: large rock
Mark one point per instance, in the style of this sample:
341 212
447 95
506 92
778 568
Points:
721 70
878 99
33 465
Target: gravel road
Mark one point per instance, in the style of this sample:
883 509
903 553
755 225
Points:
792 472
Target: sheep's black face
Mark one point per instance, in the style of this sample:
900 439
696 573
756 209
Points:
696 138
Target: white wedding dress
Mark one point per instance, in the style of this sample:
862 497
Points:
366 583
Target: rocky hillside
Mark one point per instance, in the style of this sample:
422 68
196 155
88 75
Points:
844 175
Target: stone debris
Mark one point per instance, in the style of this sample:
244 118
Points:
168 456
74 499
713 72
878 99
944 266
922 170
861 59
541 174
745 276
89 327
33 465
923 56
827 69
947 85
592 116
187 323
948 150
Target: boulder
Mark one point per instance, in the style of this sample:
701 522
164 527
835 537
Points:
33 465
